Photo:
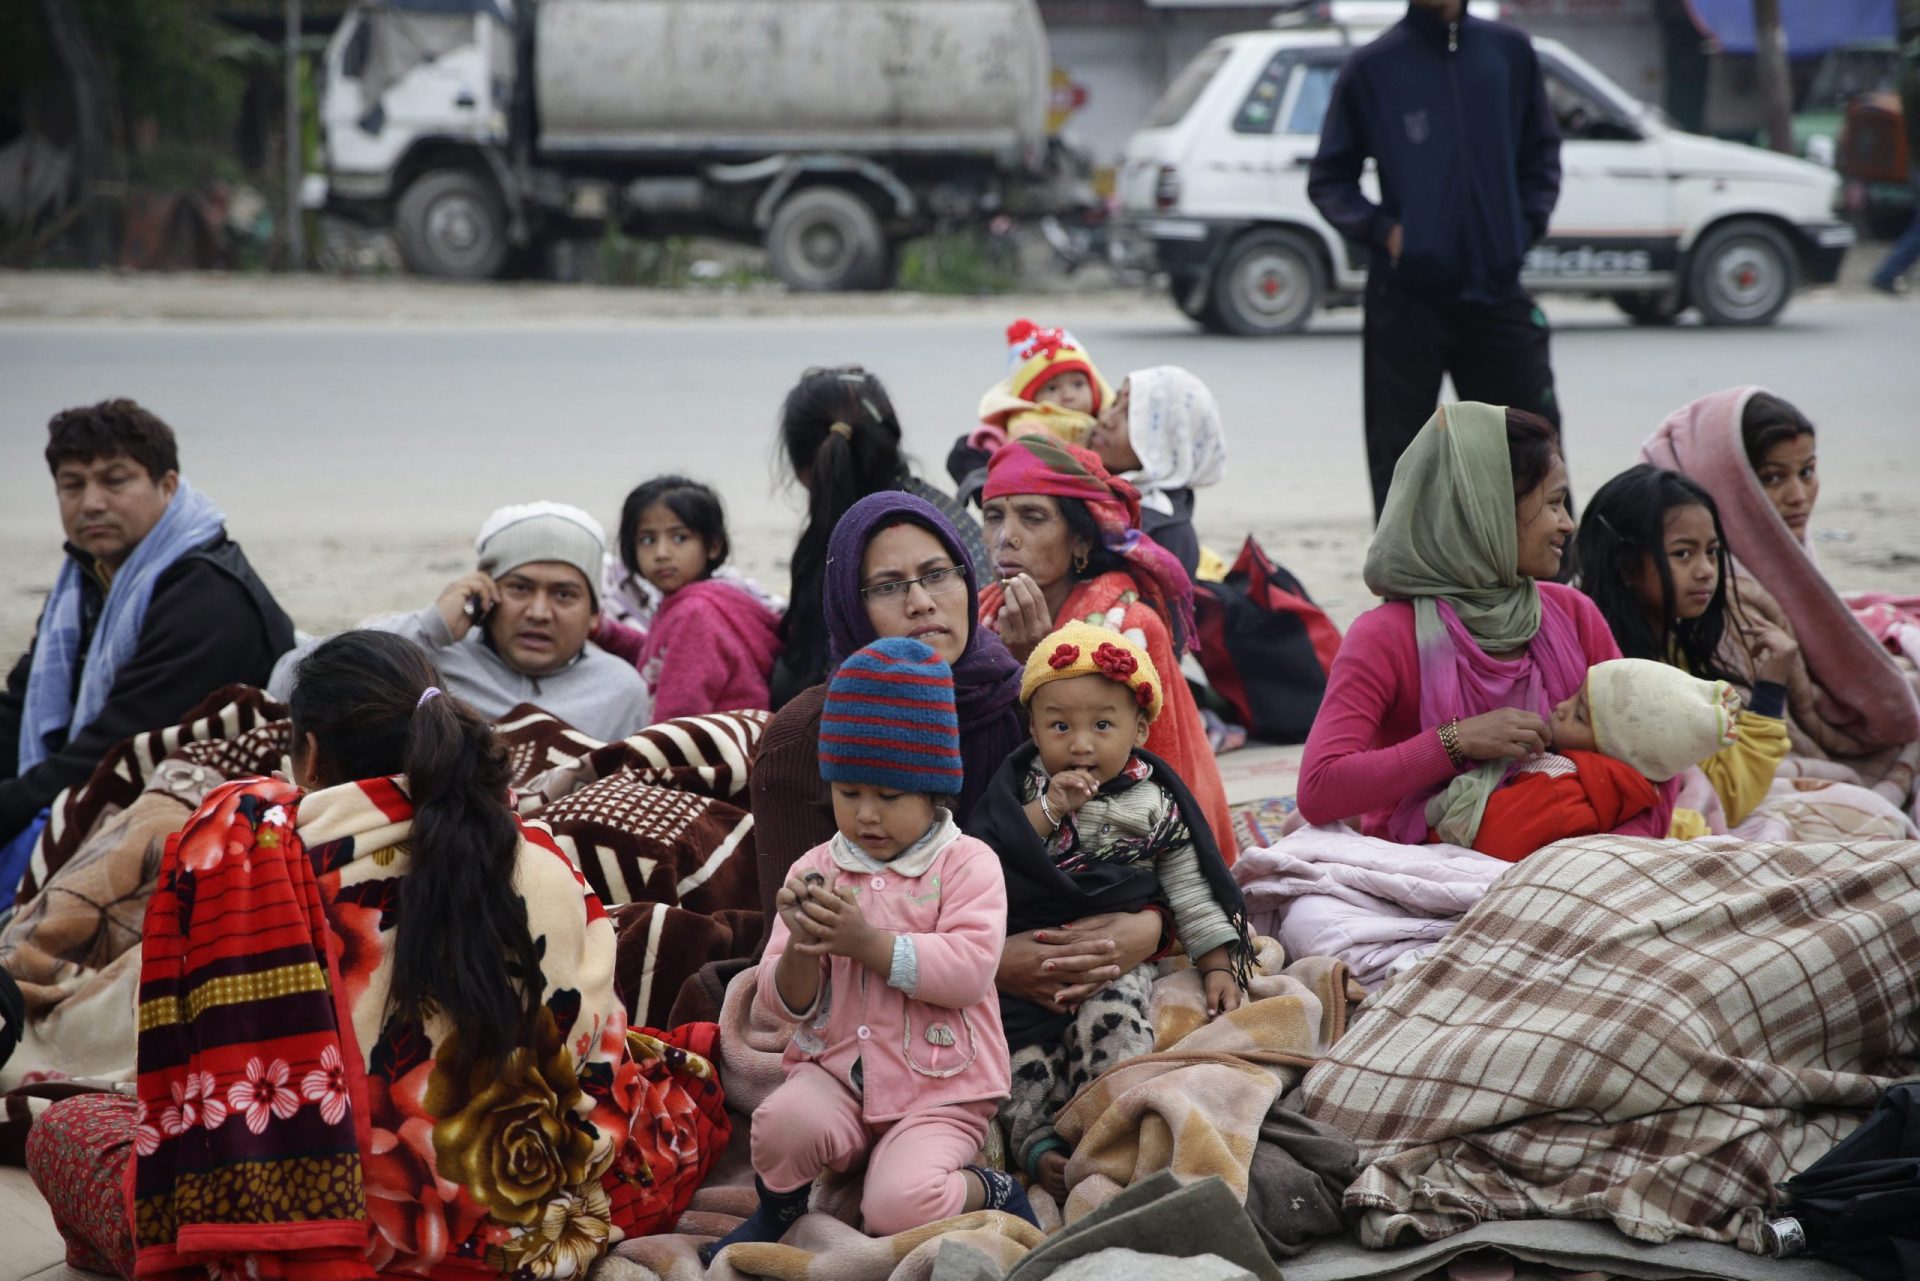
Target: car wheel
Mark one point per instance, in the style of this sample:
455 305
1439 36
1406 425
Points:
826 238
1742 273
1661 308
1270 282
451 223
1195 301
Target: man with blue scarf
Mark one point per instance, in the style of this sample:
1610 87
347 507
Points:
154 609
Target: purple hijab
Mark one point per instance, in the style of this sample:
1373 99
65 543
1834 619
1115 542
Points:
986 680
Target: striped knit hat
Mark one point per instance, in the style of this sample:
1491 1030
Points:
889 720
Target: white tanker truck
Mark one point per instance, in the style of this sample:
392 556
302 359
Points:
829 130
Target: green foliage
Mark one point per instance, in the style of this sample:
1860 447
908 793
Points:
174 66
625 260
960 260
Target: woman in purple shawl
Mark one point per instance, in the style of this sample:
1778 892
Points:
897 567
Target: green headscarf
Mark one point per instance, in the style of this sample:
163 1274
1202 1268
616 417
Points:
1449 533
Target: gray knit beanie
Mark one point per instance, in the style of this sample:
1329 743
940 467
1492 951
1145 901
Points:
526 533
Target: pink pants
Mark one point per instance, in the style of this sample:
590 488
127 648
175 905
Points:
914 1175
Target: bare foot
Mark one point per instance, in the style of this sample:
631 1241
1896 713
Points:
1053 1176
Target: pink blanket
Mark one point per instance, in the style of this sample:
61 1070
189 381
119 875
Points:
1329 891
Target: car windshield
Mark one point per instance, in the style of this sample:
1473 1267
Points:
1187 88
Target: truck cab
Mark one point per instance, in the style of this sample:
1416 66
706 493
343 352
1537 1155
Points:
1214 191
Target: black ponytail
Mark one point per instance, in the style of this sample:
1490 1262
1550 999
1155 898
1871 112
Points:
461 946
839 432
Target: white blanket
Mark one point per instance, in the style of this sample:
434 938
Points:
1329 891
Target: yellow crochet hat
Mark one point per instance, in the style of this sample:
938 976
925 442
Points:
1657 718
1081 649
1037 356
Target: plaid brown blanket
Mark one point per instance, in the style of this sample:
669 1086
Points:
1647 1032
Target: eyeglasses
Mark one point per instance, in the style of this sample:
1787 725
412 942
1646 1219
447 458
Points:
937 583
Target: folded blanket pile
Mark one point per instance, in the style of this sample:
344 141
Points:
1329 891
1655 1033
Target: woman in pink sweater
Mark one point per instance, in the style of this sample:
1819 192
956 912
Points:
1439 693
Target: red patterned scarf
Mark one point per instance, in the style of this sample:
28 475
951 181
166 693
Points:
248 1134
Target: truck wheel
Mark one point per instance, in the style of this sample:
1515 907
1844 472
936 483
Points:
1742 273
451 223
1650 308
825 238
1270 282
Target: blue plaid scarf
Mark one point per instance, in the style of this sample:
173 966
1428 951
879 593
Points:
52 710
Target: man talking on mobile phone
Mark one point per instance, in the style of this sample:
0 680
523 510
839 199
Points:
1454 112
515 629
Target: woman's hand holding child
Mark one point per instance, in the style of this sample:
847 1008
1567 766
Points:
1505 734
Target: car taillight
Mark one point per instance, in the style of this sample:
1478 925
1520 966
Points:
1166 188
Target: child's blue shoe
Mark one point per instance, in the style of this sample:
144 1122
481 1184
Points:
769 1220
1004 1193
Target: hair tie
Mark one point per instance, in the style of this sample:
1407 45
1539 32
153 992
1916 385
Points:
426 694
843 430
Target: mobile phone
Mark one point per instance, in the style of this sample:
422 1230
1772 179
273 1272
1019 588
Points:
476 607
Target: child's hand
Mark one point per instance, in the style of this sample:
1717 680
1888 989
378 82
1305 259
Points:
836 923
1068 790
1223 992
1773 651
805 933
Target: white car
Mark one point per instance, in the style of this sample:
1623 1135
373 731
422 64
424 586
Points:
1657 219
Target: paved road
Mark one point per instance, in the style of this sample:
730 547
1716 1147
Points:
359 431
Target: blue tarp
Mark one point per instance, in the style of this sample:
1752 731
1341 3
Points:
1812 26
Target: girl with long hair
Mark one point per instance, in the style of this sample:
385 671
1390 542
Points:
1653 557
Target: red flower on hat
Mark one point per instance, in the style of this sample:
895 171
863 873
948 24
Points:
1064 656
1050 342
1115 662
1143 694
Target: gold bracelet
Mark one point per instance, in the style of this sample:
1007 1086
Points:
1450 740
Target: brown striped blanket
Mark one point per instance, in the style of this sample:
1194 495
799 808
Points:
1652 1033
658 823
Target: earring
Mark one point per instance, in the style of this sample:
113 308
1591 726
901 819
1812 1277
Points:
1080 561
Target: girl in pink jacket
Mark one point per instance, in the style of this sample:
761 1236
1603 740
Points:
703 636
883 959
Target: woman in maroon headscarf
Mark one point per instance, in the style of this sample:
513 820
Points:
1064 534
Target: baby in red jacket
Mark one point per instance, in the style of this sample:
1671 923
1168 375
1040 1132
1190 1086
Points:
883 960
1634 724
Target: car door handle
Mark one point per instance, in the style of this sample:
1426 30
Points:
1303 162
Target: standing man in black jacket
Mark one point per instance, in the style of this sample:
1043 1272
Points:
154 609
1454 111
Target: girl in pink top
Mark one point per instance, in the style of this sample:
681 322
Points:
704 637
883 957
1440 693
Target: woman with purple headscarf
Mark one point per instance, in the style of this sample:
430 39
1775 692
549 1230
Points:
897 567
